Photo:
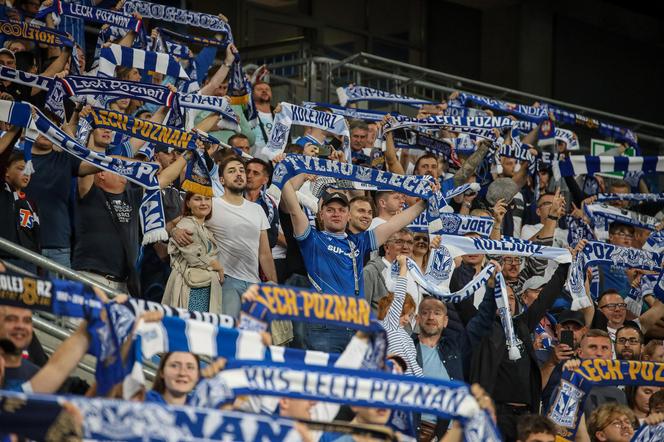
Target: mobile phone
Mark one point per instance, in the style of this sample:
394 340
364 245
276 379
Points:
336 143
567 337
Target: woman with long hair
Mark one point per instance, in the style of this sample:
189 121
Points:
196 276
177 376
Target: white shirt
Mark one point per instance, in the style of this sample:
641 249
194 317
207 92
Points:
377 221
237 231
267 119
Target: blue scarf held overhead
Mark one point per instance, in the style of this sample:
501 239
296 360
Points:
455 224
353 94
348 112
92 14
478 126
176 15
411 185
522 111
598 212
576 165
633 197
292 114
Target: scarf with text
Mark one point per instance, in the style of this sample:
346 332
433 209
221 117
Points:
38 34
295 304
196 39
410 185
57 296
353 94
42 417
409 139
576 165
595 253
349 112
460 245
175 15
162 44
478 126
363 388
617 133
566 406
292 114
91 14
141 174
522 111
455 224
116 55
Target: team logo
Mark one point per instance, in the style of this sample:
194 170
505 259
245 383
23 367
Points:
279 173
441 266
566 405
279 134
363 174
451 223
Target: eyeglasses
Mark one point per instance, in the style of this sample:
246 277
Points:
624 235
421 239
401 242
620 423
630 341
511 260
617 306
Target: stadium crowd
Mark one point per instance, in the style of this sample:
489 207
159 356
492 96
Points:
485 306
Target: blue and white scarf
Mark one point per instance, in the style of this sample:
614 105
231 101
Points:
461 245
108 419
420 141
600 212
576 165
502 302
634 298
204 339
595 253
473 187
175 15
25 78
116 55
649 433
196 39
348 112
478 126
618 133
141 174
292 114
460 111
412 185
161 44
522 111
353 94
455 224
446 399
634 197
38 34
567 404
91 14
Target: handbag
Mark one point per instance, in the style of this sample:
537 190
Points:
197 278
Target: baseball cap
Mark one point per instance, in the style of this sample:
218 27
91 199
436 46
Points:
571 316
533 283
334 196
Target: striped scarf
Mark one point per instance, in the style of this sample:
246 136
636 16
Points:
353 94
589 165
116 55
478 126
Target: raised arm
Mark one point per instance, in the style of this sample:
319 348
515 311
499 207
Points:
394 313
398 222
63 361
221 74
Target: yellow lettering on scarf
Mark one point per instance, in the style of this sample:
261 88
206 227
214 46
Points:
138 125
145 129
590 371
184 139
363 317
647 372
352 310
329 304
308 304
29 295
341 304
658 373
319 307
634 369
613 370
291 302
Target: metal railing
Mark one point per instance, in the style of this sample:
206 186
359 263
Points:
319 75
51 325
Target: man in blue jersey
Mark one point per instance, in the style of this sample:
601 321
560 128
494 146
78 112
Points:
333 258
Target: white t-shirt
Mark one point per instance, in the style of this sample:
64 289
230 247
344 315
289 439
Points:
237 231
377 221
